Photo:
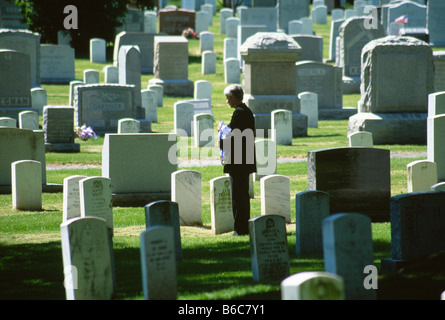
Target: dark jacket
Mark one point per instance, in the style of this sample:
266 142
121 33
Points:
242 142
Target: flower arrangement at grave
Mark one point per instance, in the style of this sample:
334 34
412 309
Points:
85 132
189 33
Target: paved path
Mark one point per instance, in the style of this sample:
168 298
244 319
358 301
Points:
216 162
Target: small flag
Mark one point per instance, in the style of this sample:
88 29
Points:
402 19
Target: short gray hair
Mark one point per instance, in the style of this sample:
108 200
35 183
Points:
234 90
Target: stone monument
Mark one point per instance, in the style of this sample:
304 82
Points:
270 78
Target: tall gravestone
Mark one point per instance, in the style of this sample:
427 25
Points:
87 259
326 81
269 77
435 148
130 65
165 213
395 111
417 227
186 191
171 66
439 71
356 178
354 35
268 248
289 10
158 263
435 23
32 147
56 63
15 88
145 42
416 12
347 250
311 207
27 42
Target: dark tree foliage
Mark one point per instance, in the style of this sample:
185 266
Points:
95 18
232 3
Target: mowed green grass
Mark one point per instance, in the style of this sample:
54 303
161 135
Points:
213 266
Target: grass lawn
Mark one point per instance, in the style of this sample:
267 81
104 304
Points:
213 267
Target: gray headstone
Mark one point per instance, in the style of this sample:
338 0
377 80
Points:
203 130
260 16
311 207
32 147
56 63
435 22
289 10
268 248
145 42
266 158
15 75
100 106
87 259
435 146
158 263
149 161
58 124
27 42
417 224
347 250
165 213
130 70
356 178
311 47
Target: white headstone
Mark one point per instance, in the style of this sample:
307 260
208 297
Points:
347 250
26 185
111 74
422 174
266 158
96 199
221 205
312 285
268 248
90 76
29 120
206 39
8 122
39 99
186 191
281 126
98 50
128 125
150 104
309 107
203 130
275 196
183 118
158 263
203 90
361 139
87 259
232 70
71 197
208 62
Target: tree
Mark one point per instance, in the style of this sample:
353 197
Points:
95 18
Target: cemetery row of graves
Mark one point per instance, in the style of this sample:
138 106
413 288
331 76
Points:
166 228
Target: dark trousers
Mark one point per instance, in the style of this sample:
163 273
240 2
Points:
239 191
